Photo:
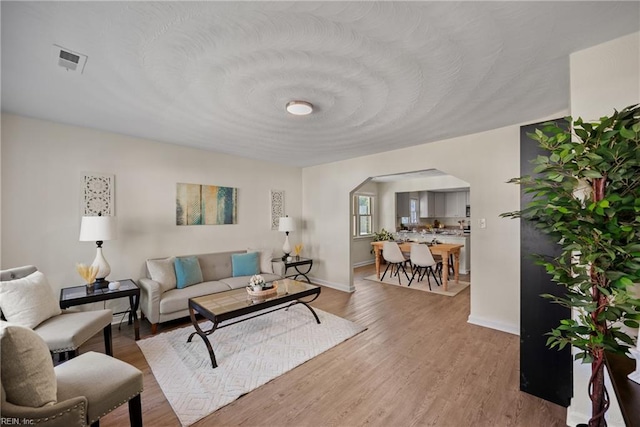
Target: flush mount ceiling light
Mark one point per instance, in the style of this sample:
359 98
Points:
299 108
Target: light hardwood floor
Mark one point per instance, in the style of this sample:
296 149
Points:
419 363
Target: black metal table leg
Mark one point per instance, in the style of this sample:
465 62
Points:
134 302
202 334
108 341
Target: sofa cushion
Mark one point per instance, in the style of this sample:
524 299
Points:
163 271
187 271
216 266
266 255
28 301
27 371
242 281
245 264
178 299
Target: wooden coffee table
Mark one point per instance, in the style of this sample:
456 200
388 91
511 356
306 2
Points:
223 306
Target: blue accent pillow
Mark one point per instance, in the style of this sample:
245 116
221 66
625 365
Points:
245 264
187 272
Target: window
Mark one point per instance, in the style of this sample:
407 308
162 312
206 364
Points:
362 215
413 211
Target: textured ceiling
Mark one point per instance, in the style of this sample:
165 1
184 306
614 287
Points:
217 75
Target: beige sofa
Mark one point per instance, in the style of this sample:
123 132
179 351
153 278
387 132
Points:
161 302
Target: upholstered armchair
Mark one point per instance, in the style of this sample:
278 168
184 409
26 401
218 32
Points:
27 299
77 392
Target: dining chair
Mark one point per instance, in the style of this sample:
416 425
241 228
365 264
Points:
422 263
395 259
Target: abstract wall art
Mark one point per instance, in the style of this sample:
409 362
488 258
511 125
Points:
97 196
206 204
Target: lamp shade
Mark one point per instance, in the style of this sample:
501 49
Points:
95 228
286 224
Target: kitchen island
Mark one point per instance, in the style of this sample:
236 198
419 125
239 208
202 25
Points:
446 237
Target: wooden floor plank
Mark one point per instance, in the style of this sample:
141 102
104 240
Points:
419 363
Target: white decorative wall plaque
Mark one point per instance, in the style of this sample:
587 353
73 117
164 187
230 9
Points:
277 207
98 194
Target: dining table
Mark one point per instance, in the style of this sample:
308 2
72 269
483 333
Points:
442 249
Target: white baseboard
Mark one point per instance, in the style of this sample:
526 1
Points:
339 286
574 418
492 324
363 263
123 317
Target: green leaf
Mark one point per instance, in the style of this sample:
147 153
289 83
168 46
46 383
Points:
582 134
628 134
591 174
625 281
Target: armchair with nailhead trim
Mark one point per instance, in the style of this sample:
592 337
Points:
77 392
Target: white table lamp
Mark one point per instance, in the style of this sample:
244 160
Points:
98 229
286 224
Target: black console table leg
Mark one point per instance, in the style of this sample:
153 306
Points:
108 341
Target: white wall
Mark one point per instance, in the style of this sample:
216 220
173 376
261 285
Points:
42 164
603 78
489 160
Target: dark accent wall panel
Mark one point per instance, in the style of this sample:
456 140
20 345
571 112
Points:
544 373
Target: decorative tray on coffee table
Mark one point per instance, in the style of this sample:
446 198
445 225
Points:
263 293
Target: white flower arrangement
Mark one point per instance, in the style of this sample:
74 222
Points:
256 280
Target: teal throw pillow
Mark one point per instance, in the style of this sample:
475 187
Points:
245 264
187 272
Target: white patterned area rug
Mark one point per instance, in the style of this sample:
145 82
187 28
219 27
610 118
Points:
453 288
249 354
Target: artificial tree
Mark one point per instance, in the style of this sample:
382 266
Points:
586 196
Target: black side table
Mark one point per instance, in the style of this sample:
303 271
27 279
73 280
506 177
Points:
297 262
78 295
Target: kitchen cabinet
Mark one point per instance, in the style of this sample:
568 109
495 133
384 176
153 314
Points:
467 210
439 202
427 204
434 204
465 252
456 204
403 207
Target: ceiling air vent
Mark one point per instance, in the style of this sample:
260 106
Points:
69 60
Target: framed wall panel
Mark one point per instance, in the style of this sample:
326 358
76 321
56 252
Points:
98 194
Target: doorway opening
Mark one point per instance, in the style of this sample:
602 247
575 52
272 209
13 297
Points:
414 206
